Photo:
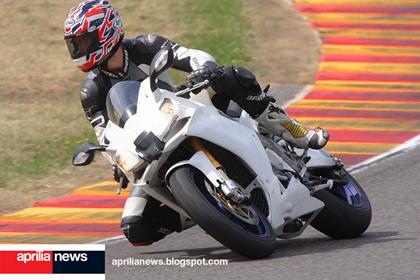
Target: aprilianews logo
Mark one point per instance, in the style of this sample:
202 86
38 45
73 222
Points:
39 260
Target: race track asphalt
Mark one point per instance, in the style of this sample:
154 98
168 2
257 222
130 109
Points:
390 249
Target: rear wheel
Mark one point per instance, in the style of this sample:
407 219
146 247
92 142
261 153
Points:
347 212
242 228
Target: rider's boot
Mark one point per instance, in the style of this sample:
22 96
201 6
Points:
275 120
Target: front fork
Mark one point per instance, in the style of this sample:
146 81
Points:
229 188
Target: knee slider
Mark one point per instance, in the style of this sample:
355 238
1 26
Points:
129 225
133 229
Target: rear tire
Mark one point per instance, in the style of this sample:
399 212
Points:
189 189
343 216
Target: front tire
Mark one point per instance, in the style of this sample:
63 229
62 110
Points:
347 212
188 186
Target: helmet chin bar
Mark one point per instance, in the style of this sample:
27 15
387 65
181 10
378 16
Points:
111 53
80 61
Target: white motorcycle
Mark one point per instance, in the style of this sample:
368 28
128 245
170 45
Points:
243 188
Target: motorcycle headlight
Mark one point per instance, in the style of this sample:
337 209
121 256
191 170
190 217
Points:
128 161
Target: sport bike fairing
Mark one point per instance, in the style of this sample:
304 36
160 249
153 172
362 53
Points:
157 112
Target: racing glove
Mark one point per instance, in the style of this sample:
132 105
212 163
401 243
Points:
119 176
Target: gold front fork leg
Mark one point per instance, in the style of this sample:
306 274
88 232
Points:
197 145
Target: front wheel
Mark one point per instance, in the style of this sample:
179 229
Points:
242 228
347 212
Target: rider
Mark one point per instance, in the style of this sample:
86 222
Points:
94 35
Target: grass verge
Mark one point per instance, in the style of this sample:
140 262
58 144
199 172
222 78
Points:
218 27
41 157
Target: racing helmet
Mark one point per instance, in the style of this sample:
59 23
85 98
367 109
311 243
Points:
93 31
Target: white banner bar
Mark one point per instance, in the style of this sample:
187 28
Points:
52 247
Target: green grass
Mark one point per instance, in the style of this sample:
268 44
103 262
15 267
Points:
218 27
46 155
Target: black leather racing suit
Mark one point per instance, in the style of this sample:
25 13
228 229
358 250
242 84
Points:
144 220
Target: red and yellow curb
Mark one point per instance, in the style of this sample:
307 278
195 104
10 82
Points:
90 213
367 92
367 95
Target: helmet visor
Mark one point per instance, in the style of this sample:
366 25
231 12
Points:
83 44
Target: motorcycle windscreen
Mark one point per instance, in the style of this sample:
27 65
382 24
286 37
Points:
121 102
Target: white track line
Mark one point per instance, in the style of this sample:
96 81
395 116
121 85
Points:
301 95
109 240
410 144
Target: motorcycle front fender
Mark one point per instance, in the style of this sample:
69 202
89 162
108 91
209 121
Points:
200 161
